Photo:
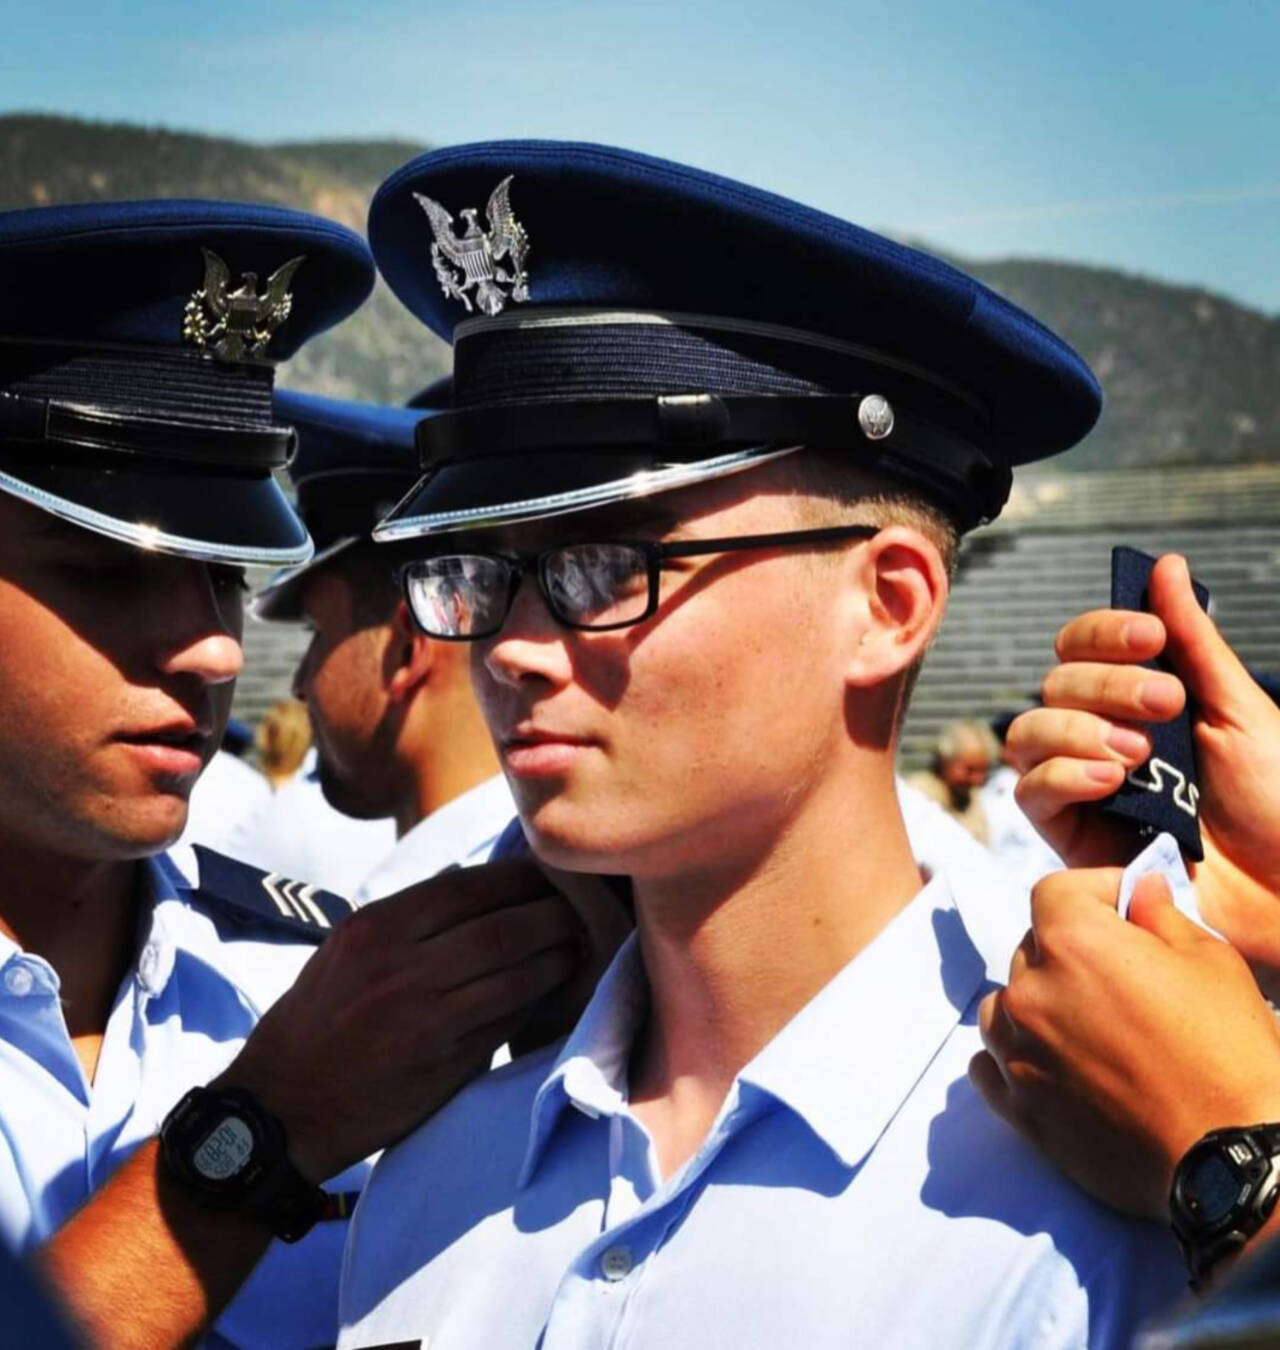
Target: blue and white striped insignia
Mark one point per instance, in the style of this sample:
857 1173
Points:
294 899
248 894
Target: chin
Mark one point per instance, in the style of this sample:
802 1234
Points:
575 840
140 835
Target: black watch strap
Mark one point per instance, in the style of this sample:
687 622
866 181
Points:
1255 1151
230 1153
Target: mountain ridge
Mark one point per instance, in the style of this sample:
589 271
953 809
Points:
1191 377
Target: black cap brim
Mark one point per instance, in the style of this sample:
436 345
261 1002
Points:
280 600
242 519
485 492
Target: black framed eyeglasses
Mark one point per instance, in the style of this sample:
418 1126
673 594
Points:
593 586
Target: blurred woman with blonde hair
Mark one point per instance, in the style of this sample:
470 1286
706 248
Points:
282 740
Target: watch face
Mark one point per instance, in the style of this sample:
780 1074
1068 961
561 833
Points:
224 1151
1211 1188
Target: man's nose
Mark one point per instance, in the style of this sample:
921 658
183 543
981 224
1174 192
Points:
202 624
531 645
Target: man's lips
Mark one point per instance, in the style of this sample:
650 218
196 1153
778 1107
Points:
523 736
535 752
172 748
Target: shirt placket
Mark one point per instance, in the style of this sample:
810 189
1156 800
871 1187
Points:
118 1089
594 1303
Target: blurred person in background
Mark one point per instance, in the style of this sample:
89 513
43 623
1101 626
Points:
963 756
281 740
397 729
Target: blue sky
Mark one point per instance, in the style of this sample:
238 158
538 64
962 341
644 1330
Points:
1141 135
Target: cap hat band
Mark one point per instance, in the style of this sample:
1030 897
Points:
689 428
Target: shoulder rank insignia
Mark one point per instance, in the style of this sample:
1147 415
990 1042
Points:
250 895
472 258
236 324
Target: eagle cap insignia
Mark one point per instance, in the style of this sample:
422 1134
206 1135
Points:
472 257
237 324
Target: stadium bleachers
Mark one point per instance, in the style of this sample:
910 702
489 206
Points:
1048 558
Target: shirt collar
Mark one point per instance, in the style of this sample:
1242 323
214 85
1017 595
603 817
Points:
850 1058
833 1064
163 884
590 1071
449 835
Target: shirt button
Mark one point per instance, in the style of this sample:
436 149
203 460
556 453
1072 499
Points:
19 980
616 1263
148 964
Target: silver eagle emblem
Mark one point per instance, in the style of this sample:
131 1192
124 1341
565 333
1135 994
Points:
472 258
235 324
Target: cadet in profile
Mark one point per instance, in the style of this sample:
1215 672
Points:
143 993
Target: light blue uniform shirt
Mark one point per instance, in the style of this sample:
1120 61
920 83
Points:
853 1191
196 992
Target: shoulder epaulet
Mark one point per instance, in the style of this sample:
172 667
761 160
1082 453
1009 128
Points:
251 895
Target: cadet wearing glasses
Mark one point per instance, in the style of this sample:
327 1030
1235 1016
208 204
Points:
698 529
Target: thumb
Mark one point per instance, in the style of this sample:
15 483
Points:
1152 908
1200 654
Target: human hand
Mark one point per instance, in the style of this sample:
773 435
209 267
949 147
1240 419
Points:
1117 1045
1076 751
403 1004
603 907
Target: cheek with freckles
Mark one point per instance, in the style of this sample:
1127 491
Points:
720 725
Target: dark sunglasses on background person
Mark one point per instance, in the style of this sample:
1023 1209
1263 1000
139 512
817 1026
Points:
590 586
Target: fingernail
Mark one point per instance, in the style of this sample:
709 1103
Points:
1143 632
1124 741
1102 773
1161 695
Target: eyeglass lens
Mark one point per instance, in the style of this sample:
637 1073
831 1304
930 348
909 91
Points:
587 585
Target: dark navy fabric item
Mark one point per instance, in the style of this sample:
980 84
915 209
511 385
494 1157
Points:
609 227
247 895
122 272
1162 794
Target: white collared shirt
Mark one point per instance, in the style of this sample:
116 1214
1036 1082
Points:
853 1191
461 833
198 988
296 833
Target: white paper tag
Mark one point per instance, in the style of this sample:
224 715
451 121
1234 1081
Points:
1162 855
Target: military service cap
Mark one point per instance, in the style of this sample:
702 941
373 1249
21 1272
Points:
354 462
137 342
622 325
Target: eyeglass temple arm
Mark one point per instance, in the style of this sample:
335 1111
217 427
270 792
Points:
695 547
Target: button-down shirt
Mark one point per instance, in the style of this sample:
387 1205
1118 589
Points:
460 834
181 1015
853 1191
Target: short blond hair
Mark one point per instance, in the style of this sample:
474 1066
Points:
282 738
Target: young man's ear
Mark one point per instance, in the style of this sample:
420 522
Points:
903 588
409 656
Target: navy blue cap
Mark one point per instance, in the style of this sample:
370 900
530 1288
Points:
614 314
354 462
137 351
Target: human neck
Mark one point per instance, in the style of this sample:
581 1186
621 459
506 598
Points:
733 954
446 750
80 916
